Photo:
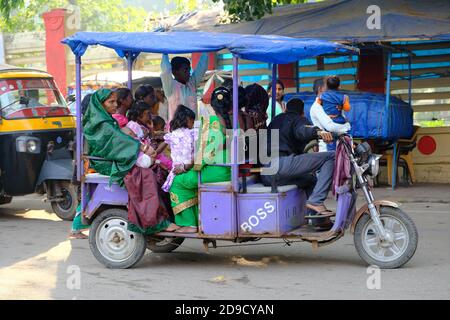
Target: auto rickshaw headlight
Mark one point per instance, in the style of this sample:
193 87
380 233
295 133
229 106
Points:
32 146
28 144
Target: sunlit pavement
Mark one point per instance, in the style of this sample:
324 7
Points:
37 261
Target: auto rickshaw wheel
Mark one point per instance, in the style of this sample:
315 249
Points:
5 199
66 209
112 244
394 252
163 244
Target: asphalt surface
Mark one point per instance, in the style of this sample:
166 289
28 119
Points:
37 261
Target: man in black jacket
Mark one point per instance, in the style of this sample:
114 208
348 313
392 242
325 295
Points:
294 166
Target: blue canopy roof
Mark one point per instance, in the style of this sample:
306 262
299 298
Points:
272 49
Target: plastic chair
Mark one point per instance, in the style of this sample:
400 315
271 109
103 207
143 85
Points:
405 148
408 171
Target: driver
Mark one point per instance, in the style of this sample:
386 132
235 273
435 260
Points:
294 166
33 95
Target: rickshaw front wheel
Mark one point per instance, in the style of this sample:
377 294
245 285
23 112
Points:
392 252
112 244
67 207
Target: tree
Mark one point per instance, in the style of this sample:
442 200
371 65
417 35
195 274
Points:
105 15
183 6
7 6
252 9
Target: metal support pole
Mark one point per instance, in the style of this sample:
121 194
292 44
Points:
388 80
297 76
235 165
130 61
274 89
409 80
388 97
79 131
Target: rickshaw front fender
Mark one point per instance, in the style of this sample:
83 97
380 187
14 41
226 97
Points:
365 210
60 169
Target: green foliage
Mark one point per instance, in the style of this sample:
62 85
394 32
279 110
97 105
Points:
8 6
105 15
432 123
184 6
252 9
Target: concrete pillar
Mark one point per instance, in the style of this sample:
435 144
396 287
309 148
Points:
55 54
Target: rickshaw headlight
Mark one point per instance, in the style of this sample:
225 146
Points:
31 146
27 144
374 165
363 151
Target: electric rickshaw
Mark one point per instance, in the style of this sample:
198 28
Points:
243 209
37 136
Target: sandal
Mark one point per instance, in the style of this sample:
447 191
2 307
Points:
321 211
77 235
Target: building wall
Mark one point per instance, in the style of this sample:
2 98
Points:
434 167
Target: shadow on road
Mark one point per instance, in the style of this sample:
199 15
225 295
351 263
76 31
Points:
27 233
238 258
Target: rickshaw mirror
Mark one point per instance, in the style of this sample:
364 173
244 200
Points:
71 98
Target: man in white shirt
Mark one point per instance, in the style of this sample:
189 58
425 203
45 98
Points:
180 87
320 119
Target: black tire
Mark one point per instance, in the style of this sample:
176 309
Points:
5 199
136 242
66 209
163 244
406 254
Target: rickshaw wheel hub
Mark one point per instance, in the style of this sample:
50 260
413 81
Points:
114 241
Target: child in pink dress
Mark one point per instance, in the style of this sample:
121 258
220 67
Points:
158 133
181 142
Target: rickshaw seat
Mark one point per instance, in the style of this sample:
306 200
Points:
96 178
260 188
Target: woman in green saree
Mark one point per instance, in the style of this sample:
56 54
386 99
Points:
105 139
210 150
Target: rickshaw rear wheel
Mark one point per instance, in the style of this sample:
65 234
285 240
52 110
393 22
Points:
67 208
112 244
163 244
387 254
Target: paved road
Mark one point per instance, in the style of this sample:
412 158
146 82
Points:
38 262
